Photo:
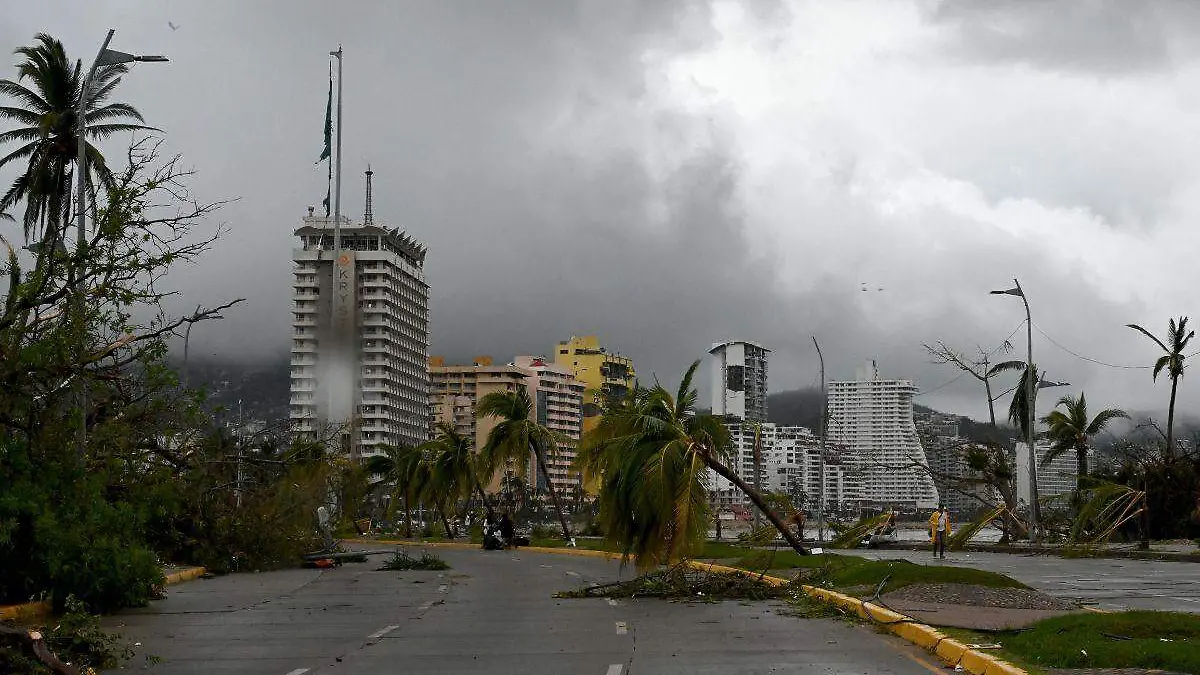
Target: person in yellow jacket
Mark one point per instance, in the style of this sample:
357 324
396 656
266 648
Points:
939 530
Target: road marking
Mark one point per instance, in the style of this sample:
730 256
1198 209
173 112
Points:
298 671
615 669
442 588
574 574
380 633
622 628
612 603
925 664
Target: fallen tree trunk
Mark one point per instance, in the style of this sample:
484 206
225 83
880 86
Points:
34 642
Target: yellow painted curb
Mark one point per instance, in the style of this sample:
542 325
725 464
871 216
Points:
929 638
31 610
38 610
183 575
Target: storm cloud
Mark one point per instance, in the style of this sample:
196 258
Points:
671 174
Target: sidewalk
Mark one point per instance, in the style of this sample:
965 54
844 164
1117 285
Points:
1099 583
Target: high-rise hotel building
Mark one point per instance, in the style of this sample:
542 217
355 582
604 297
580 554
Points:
364 369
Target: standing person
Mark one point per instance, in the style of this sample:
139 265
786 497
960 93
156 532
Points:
506 529
939 530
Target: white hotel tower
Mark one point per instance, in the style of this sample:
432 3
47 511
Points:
873 419
368 371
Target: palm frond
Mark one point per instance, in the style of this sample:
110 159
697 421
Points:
1148 334
1103 418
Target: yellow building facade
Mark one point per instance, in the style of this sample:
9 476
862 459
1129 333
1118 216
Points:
605 375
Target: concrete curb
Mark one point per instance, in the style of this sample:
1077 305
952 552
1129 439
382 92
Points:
950 651
41 609
184 575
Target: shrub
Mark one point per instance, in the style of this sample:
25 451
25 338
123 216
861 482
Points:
403 561
62 536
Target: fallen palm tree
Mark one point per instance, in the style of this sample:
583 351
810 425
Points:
1108 507
681 581
997 516
853 535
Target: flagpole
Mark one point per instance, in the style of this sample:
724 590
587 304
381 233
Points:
337 238
337 194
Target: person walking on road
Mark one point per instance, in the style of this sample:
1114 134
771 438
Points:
939 530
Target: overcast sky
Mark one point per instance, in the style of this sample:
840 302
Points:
669 174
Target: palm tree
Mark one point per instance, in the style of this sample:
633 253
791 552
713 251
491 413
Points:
650 455
401 467
1071 430
1018 408
1177 339
516 436
453 469
47 113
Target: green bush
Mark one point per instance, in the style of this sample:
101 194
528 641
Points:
63 533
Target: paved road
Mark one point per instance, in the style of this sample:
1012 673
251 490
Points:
1101 583
493 612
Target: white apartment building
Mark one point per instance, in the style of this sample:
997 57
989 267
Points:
739 380
365 369
790 463
873 419
796 470
1058 477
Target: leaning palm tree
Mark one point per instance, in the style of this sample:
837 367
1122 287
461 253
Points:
46 113
650 456
1178 337
516 436
453 468
1071 431
401 468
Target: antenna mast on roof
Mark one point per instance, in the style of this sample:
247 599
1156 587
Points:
368 217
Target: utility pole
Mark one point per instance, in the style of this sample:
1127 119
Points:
240 449
757 467
821 459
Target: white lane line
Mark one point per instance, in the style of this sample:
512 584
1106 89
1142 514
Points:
442 588
298 671
573 574
612 603
622 628
615 669
380 633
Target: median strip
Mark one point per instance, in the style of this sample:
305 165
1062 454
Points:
950 651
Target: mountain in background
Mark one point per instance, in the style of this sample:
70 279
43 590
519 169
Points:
263 387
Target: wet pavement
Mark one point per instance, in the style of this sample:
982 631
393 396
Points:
493 612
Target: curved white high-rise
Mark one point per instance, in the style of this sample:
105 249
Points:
873 419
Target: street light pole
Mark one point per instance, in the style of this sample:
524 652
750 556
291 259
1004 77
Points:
821 459
1031 411
104 57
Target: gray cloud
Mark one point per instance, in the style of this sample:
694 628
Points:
561 191
1106 37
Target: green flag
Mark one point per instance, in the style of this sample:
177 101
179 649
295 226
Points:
328 120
